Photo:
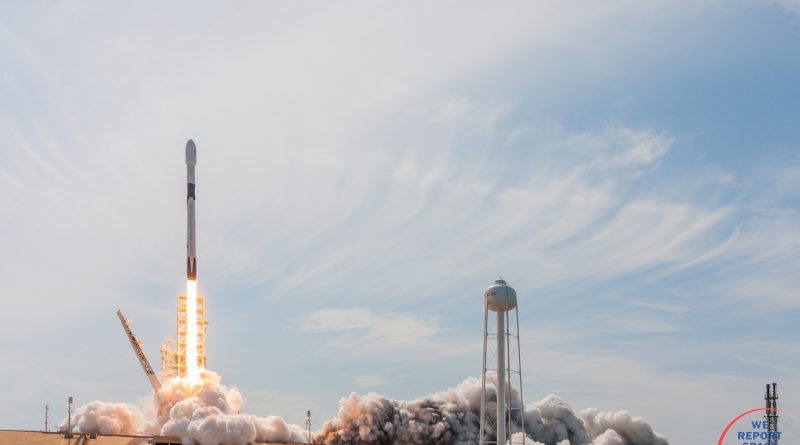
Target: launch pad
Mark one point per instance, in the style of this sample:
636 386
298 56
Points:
16 437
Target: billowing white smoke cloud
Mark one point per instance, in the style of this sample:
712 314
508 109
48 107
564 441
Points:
619 424
452 417
206 413
106 418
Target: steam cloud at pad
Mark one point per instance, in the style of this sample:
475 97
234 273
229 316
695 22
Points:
208 413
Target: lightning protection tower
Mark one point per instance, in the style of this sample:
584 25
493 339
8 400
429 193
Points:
501 415
771 398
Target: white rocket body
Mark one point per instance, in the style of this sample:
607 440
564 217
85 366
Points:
191 247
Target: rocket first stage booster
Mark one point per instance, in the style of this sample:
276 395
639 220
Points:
191 248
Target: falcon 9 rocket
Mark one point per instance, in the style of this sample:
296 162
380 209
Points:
191 248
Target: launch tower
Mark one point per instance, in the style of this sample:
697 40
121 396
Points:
173 351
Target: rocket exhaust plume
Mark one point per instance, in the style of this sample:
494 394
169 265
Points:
192 367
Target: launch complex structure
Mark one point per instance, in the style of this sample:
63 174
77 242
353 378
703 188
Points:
174 350
184 355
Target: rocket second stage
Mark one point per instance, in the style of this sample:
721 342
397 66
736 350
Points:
191 248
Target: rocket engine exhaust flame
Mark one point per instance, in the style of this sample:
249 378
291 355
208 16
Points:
192 366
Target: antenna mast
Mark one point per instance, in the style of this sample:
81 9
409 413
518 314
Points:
771 397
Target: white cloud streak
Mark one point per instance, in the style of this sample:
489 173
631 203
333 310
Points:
367 332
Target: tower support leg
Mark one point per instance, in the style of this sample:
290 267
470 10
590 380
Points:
501 378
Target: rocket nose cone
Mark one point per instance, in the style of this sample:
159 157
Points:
191 152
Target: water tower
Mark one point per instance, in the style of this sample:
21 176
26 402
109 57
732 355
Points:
499 413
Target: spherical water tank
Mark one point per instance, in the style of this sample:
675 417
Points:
500 297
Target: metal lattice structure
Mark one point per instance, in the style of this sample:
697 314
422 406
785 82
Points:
771 398
137 349
173 351
502 419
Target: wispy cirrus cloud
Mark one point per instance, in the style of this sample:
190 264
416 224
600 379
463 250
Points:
370 381
366 331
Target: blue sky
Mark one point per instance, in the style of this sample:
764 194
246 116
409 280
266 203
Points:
366 169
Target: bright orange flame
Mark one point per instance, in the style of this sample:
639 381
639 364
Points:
192 369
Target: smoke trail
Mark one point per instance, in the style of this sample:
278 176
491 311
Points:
192 371
452 417
206 413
